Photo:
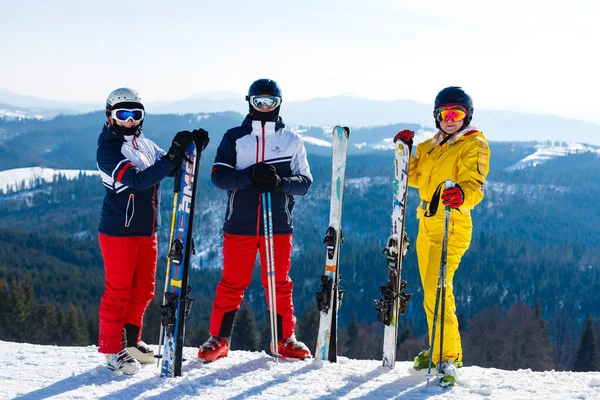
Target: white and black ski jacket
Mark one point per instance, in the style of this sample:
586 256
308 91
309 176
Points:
249 144
131 168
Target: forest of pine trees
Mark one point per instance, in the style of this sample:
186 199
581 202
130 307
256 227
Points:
51 280
512 339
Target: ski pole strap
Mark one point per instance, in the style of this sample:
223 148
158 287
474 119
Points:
435 201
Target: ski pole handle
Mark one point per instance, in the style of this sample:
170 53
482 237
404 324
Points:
448 183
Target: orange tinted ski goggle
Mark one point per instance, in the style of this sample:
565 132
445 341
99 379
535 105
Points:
450 113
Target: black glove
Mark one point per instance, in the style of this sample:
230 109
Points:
265 177
179 145
202 138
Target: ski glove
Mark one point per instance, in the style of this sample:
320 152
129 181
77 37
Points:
406 135
265 177
453 197
179 145
202 138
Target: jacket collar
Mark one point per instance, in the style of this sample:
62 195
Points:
439 136
109 134
255 127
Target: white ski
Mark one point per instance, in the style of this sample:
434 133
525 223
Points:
329 298
394 301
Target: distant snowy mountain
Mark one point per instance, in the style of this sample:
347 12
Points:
39 372
10 112
347 110
23 178
362 139
357 112
316 141
64 107
549 150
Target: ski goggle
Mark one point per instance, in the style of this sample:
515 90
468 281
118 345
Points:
260 101
125 114
450 113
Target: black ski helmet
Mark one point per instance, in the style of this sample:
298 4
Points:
264 86
454 95
267 87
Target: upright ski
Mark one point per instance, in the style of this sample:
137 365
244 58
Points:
177 302
330 295
394 301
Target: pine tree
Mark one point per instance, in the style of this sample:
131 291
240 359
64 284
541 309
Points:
543 361
23 300
74 328
152 322
525 341
409 346
196 335
43 324
369 340
5 308
484 341
264 340
245 334
93 328
563 339
597 329
586 358
352 344
308 328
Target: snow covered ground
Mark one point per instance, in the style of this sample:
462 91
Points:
549 150
39 372
13 179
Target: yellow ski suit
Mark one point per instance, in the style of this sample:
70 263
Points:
464 159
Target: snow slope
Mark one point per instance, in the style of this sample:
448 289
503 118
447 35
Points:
549 150
384 144
38 372
11 180
11 114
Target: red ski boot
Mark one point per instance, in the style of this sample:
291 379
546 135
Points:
213 348
291 348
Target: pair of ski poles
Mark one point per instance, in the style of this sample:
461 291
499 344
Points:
441 290
176 191
270 260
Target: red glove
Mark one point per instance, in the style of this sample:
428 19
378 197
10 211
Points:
406 136
453 197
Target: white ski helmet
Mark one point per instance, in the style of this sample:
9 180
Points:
123 97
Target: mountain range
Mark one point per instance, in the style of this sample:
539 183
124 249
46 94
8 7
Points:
345 110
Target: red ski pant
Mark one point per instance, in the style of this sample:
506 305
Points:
130 275
239 255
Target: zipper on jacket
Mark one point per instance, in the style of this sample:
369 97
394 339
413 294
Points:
287 210
155 206
231 204
263 141
257 147
130 204
258 213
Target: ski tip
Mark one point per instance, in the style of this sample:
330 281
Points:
344 129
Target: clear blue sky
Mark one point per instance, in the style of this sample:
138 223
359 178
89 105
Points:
526 55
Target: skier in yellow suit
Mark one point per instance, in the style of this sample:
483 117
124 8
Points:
457 152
